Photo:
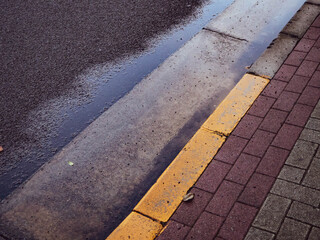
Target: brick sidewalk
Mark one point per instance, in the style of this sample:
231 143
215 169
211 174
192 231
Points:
266 176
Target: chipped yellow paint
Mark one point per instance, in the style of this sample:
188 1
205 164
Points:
225 118
166 194
136 227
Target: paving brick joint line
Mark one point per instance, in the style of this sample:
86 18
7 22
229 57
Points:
264 182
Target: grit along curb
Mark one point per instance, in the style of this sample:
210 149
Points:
157 206
160 202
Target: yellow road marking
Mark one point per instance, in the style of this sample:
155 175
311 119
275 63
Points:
166 194
136 227
227 115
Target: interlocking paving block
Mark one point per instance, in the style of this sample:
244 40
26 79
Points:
316 111
291 174
314 234
302 154
316 22
318 153
256 190
285 73
231 149
286 101
174 230
314 55
189 212
310 135
272 213
255 233
206 227
314 124
238 221
307 68
274 88
299 24
295 58
299 115
243 168
224 198
213 176
315 80
287 136
297 84
291 229
296 192
259 143
312 178
261 106
305 45
272 161
312 33
247 126
273 121
305 213
310 96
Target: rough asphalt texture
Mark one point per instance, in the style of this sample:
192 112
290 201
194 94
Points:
46 44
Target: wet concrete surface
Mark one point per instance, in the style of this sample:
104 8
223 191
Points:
135 139
64 63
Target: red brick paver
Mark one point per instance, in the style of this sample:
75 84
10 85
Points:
238 222
224 199
262 161
188 212
213 176
305 45
206 227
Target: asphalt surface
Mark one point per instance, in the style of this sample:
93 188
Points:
45 45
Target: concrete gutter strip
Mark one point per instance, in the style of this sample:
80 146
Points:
166 194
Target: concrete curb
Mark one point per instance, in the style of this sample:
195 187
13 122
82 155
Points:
156 207
271 60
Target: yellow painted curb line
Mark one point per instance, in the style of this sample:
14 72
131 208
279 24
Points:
166 194
163 198
225 118
136 226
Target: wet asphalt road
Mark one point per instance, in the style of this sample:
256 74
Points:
45 45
